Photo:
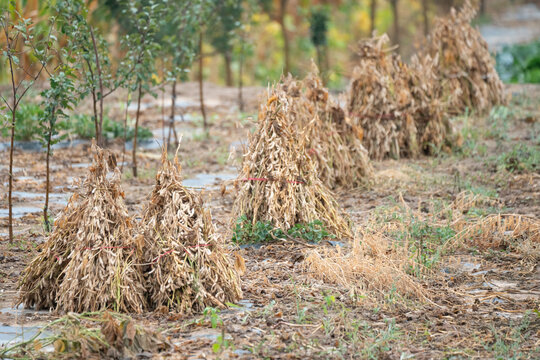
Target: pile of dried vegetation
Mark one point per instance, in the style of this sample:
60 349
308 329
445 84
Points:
187 267
278 182
370 266
433 127
502 231
88 261
96 335
465 65
380 101
334 144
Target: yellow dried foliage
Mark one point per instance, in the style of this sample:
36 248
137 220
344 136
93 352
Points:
278 181
380 101
87 262
187 266
334 144
465 66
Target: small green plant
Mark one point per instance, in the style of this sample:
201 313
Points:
522 158
498 122
212 314
425 240
245 232
83 126
27 122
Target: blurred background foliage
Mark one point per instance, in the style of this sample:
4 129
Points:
258 40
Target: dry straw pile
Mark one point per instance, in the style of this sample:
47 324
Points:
466 66
498 230
369 267
380 102
87 263
278 182
433 127
334 143
187 265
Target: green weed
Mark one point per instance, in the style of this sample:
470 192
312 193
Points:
245 232
522 158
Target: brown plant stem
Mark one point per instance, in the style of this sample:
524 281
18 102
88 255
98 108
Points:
136 130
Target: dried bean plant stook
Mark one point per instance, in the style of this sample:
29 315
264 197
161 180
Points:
187 266
465 65
88 261
278 182
380 101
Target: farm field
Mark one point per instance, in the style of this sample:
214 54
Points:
478 300
245 179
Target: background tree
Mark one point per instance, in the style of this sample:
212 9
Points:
395 14
142 45
222 32
318 28
277 10
60 96
18 41
92 53
425 17
179 39
372 16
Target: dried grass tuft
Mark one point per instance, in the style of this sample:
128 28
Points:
465 65
380 101
188 266
369 266
498 230
87 263
334 144
278 181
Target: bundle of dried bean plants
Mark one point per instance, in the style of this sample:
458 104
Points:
278 181
334 143
380 102
187 264
466 66
434 131
87 263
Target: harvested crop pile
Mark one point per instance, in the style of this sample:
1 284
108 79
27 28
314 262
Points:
278 182
101 335
466 66
334 143
368 267
188 265
495 231
433 127
87 263
380 102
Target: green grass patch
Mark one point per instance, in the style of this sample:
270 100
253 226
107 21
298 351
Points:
245 232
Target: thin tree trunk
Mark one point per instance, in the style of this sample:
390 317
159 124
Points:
12 141
172 130
96 118
136 131
47 183
100 79
240 80
228 71
201 91
372 16
482 7
395 12
125 134
425 6
10 195
286 52
319 58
